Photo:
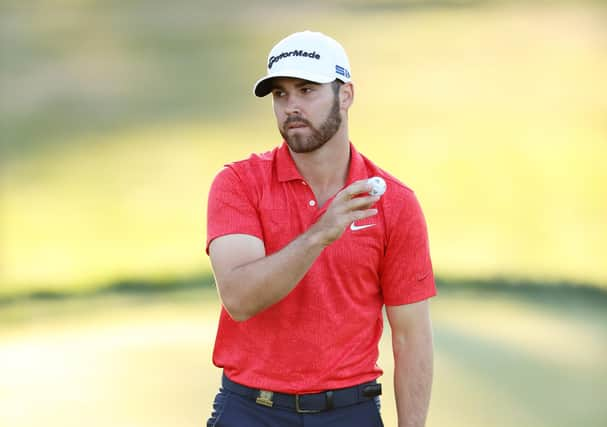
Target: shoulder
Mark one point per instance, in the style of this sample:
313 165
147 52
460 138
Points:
254 168
255 163
399 204
256 160
396 190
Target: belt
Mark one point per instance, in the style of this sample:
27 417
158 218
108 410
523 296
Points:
306 403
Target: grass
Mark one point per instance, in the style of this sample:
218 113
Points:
135 360
493 114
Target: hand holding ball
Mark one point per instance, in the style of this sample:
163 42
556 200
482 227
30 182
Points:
379 186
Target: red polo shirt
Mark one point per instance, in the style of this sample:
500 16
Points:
325 333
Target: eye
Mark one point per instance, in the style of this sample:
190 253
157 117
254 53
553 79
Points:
277 93
306 89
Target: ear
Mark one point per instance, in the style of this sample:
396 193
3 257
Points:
346 95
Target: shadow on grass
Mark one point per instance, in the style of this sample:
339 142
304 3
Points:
536 291
121 287
521 289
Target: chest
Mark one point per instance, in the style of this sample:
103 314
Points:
290 209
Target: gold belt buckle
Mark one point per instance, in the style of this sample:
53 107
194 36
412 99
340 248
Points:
265 398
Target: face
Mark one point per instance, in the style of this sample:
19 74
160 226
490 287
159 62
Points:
308 114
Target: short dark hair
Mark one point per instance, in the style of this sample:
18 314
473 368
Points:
336 84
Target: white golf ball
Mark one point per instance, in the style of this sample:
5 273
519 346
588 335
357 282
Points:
379 186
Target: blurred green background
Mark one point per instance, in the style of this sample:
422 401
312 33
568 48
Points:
116 115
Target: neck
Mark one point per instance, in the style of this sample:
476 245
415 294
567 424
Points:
326 169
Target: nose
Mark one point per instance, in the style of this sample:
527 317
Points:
292 107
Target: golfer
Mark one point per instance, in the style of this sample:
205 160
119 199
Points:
305 259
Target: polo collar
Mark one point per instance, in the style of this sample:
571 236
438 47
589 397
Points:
287 171
285 165
358 168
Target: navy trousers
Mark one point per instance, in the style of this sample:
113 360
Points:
233 410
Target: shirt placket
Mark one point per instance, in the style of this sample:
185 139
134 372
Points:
309 204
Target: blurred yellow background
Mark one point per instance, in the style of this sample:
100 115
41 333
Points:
115 116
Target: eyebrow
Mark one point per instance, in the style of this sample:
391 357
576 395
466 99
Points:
297 85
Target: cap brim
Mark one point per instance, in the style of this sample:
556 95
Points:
264 85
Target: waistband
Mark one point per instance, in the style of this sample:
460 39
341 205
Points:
306 403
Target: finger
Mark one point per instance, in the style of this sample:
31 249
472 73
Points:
359 203
357 187
362 214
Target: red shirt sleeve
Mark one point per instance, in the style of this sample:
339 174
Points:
231 208
406 271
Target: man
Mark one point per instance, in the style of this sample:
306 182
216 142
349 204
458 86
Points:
305 259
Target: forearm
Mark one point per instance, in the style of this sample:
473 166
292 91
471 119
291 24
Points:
250 288
413 369
249 281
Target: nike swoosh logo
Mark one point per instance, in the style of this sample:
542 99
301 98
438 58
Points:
355 227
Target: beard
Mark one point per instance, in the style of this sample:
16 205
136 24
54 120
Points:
317 137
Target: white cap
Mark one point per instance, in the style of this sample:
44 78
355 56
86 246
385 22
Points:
306 55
